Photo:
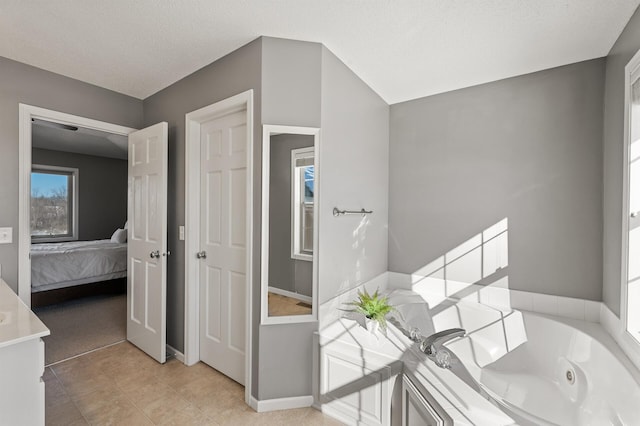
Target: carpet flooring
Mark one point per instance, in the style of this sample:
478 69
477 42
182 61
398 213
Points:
82 325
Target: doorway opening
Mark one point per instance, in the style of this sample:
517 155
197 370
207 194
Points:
72 238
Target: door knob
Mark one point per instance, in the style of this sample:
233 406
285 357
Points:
634 214
154 254
201 255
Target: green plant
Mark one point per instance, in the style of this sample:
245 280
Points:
374 307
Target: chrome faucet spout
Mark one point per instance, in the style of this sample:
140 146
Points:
432 344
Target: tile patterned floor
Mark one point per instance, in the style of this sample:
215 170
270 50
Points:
120 385
282 305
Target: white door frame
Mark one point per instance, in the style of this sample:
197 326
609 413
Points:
628 343
193 120
26 113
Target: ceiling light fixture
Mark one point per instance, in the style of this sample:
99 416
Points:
54 125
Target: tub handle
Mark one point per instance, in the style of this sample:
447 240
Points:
430 345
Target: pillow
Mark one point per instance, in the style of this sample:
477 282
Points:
120 236
126 225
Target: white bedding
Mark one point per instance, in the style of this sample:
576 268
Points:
57 265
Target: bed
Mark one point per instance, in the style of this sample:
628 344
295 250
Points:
76 268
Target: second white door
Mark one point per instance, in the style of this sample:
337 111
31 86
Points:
147 240
223 251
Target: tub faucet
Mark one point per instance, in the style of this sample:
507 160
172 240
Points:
432 346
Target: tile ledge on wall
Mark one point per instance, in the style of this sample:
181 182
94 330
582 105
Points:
332 309
498 297
502 297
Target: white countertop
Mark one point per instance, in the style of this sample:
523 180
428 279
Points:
17 322
463 404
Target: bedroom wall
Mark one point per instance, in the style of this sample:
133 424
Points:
528 149
613 138
235 73
102 190
21 83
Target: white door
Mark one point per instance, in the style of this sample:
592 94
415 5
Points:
147 240
222 269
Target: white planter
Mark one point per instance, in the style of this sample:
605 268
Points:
372 326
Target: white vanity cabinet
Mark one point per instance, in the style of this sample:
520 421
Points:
417 411
357 373
356 386
21 362
364 380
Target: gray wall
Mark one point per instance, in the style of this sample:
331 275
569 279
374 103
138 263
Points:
102 191
621 53
354 174
285 273
290 82
528 149
235 73
291 96
22 83
304 84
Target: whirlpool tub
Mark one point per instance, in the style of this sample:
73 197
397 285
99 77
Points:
540 370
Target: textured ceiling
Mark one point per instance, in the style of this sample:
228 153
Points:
404 49
56 137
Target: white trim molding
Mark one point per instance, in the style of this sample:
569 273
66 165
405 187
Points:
174 353
74 195
193 121
291 294
281 403
616 329
25 114
630 346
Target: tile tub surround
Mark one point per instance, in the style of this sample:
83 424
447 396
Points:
520 357
122 385
464 405
436 290
487 324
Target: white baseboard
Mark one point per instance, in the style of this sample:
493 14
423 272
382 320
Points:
173 352
253 403
280 403
291 294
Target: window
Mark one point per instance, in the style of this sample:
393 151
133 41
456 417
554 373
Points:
54 203
630 294
633 210
302 206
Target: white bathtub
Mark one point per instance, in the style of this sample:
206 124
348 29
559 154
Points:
540 370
